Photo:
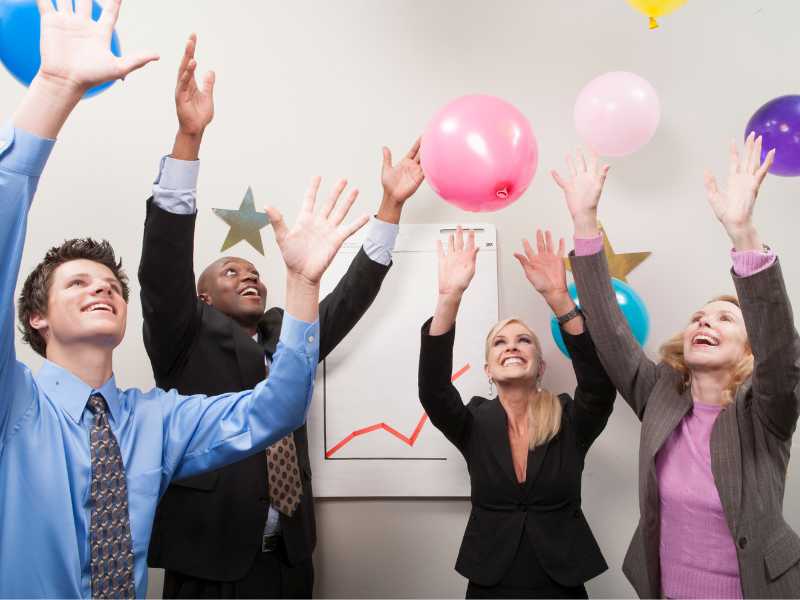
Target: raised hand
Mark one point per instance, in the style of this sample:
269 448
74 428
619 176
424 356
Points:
545 268
76 51
457 266
456 270
195 106
734 207
582 191
310 245
399 181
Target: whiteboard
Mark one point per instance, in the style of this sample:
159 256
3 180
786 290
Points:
368 433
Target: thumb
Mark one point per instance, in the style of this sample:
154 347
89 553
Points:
387 158
128 64
278 224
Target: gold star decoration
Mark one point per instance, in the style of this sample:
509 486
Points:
245 223
619 265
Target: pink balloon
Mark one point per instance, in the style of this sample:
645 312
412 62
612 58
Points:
479 153
617 113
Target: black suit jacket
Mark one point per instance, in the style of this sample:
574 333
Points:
547 507
210 526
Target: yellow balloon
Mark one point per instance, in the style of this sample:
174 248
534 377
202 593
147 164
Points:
656 8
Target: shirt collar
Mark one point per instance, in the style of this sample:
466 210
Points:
72 394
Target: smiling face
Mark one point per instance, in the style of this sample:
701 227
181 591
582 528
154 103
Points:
85 304
233 286
513 354
716 338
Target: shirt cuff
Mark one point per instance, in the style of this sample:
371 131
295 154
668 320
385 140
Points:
380 241
750 262
300 336
588 246
23 152
174 174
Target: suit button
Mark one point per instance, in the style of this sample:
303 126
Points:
742 542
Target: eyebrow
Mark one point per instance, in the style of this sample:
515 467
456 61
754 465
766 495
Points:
250 266
106 279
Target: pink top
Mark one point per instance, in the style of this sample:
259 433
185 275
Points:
698 554
697 551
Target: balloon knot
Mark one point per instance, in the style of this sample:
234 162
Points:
502 194
653 23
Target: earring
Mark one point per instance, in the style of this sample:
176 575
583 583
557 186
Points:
491 387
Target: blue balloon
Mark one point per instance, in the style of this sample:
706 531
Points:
629 301
20 29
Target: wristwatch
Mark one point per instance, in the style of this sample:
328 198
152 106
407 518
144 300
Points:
569 316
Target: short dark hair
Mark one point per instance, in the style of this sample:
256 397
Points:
36 290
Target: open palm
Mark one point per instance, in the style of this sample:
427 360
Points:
457 266
195 106
584 185
734 206
401 180
77 50
545 268
311 244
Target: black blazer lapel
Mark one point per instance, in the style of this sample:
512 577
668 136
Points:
249 356
497 423
269 328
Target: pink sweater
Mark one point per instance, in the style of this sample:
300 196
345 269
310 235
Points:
697 551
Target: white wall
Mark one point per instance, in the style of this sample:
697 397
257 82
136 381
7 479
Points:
317 87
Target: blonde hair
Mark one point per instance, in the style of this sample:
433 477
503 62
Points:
544 407
672 354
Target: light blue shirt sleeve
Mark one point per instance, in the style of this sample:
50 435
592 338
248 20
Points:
203 433
175 188
22 159
380 241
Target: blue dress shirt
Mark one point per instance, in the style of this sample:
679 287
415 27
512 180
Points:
45 465
175 190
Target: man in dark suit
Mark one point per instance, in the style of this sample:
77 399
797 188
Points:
246 530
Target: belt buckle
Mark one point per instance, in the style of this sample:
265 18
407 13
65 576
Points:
269 543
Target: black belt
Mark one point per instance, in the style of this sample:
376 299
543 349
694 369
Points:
270 543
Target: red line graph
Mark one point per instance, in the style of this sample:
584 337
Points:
409 441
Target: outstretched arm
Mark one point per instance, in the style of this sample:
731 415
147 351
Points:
767 312
75 56
456 270
166 270
438 395
594 395
340 310
632 372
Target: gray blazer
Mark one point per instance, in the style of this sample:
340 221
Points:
750 441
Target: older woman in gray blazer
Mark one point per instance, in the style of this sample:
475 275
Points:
718 411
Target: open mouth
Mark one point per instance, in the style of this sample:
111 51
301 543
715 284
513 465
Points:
512 361
99 306
703 339
250 291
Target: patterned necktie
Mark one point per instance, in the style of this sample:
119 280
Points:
284 475
109 531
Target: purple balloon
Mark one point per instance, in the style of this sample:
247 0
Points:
778 122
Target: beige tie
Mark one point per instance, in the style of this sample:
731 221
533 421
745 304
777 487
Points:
284 484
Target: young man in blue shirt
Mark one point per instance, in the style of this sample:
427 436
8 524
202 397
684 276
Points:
82 462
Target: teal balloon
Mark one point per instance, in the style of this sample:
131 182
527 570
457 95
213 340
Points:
20 30
631 304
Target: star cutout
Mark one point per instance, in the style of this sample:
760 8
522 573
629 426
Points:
619 265
245 223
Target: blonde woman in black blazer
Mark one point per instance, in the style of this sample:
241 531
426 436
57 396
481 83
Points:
718 411
525 449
